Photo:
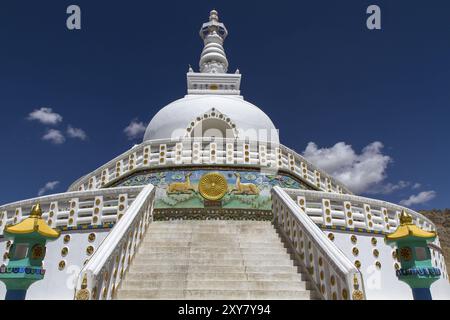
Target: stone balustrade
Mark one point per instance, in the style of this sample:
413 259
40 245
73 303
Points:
333 274
103 273
208 151
72 210
353 213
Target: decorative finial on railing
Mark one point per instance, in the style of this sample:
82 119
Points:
83 293
357 292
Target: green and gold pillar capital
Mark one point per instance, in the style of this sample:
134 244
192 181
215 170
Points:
26 254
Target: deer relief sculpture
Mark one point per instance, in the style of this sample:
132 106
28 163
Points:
181 187
244 188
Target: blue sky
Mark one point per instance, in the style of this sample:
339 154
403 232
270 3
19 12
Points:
312 66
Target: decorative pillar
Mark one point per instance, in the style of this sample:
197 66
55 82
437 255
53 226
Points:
26 254
415 257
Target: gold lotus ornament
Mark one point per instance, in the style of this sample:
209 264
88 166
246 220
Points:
213 186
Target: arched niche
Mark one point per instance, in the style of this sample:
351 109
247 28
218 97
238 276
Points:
212 124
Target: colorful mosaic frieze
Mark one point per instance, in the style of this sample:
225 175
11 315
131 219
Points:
202 214
87 227
24 270
430 271
352 230
204 188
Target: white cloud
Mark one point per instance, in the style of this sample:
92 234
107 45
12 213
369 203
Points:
48 187
422 197
389 188
360 172
416 186
45 116
54 136
76 133
135 129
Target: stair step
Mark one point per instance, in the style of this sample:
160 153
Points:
213 255
212 235
211 222
210 262
209 268
223 250
213 294
241 276
213 259
213 243
214 284
199 228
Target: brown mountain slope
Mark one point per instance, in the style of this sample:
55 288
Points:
441 218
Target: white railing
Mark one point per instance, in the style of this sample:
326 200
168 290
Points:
71 210
353 212
208 151
333 274
103 273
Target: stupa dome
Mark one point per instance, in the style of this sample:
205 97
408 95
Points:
212 115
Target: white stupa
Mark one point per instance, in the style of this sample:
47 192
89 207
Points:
209 205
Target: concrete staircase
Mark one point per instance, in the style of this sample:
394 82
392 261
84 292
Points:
207 259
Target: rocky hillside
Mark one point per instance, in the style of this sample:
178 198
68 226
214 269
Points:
441 219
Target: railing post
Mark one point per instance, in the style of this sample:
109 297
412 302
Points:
348 213
326 212
73 212
368 216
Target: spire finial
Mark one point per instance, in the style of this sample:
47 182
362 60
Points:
213 33
36 211
405 218
213 16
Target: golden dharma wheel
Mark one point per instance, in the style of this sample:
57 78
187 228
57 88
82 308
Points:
213 186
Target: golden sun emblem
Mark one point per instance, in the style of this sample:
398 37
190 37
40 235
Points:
213 186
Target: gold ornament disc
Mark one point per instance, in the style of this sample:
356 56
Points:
82 294
358 295
213 186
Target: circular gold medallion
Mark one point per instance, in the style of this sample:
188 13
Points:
213 186
61 265
91 237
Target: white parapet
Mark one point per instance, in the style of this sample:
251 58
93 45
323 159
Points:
71 210
348 212
160 154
